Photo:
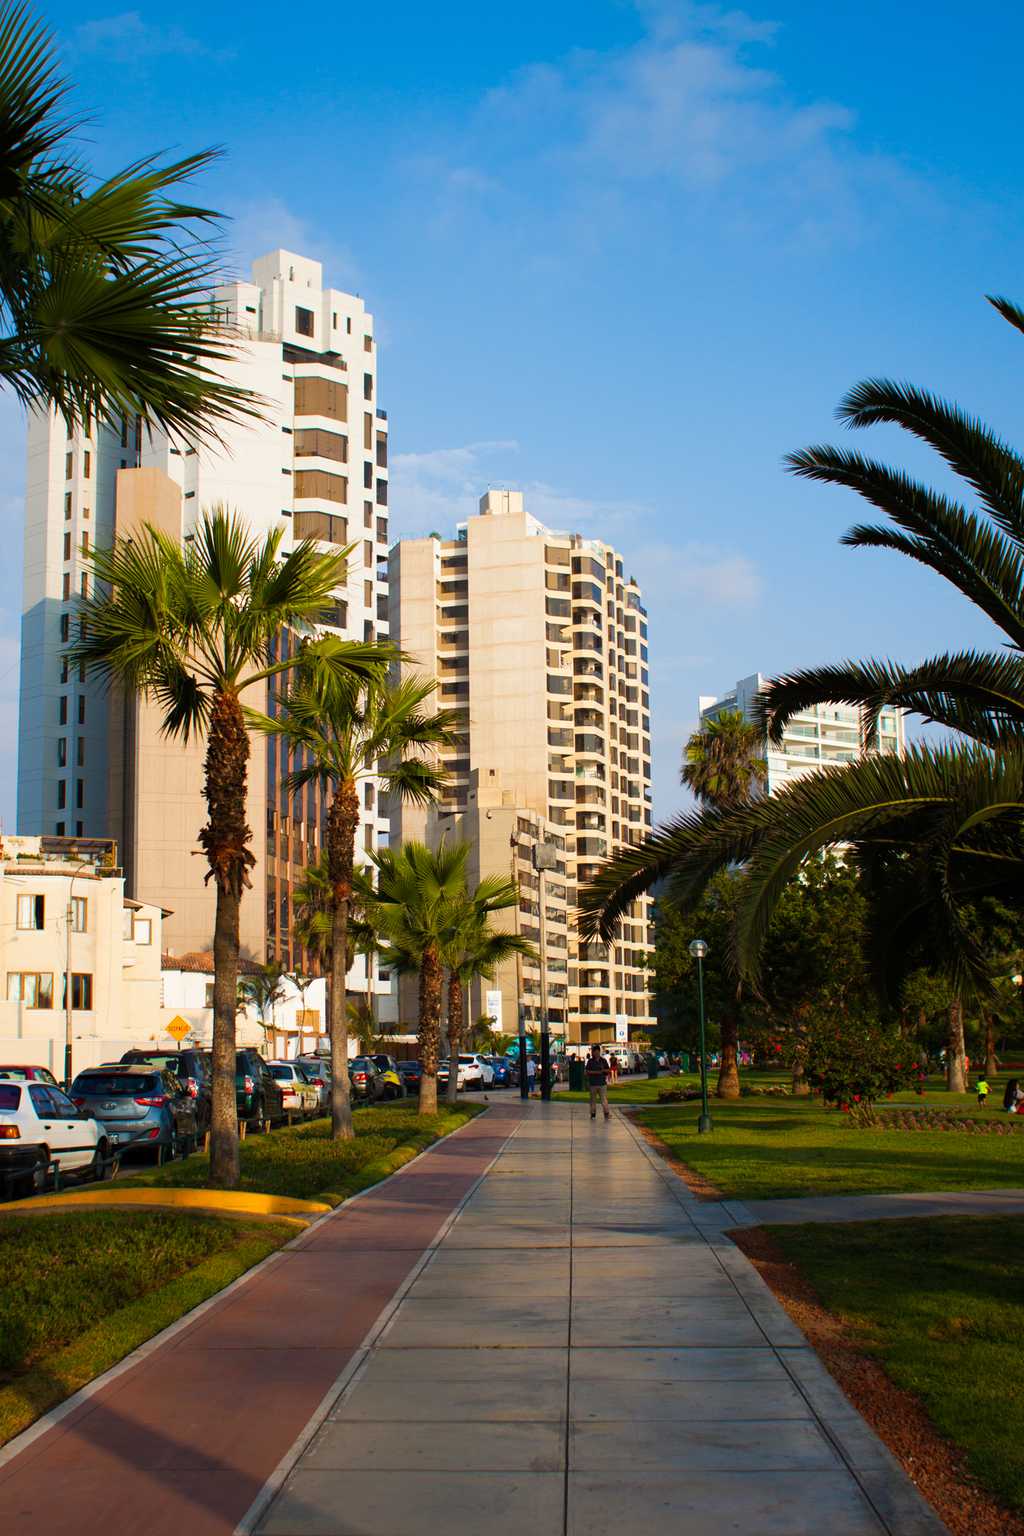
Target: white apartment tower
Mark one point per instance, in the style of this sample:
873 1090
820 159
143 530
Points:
315 466
814 738
539 639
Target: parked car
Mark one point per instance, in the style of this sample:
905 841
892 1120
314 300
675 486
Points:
475 1072
194 1070
29 1075
297 1092
40 1125
258 1094
367 1080
319 1077
138 1105
502 1071
395 1087
410 1072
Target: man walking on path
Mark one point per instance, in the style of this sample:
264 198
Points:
597 1070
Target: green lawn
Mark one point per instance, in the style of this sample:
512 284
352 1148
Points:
941 1304
764 1148
80 1290
305 1163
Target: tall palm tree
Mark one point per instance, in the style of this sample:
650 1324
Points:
343 735
942 827
193 627
104 285
723 762
419 889
473 948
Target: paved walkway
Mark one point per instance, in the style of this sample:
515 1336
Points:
584 1353
961 1202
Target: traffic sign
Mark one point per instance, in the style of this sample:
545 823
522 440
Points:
178 1028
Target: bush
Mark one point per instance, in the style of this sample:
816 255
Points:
856 1063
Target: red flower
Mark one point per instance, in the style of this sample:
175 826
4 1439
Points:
856 1098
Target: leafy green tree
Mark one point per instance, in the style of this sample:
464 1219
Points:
474 948
263 989
193 627
345 734
724 762
104 285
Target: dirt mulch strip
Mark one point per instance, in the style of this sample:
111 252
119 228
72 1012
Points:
938 1468
695 1182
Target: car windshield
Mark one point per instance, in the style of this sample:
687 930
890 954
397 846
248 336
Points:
168 1062
10 1096
114 1084
19 1074
466 1060
283 1074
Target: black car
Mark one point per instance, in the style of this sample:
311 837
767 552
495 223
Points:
410 1072
139 1106
194 1071
259 1096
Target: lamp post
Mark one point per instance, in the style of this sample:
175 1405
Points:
698 949
544 857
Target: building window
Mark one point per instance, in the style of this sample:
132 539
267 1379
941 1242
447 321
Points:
367 386
66 586
209 994
367 514
81 752
60 829
85 513
62 752
304 320
62 794
85 543
63 709
368 554
64 669
79 914
81 991
69 465
369 797
33 988
79 793
31 912
65 628
79 828
142 930
67 546
368 837
67 506
382 493
81 709
86 464
368 593
85 584
368 476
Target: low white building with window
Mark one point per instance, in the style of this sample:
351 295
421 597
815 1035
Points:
63 912
292 1019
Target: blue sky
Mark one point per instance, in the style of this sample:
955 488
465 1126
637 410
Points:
623 255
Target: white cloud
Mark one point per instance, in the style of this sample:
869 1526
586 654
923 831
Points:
696 574
127 36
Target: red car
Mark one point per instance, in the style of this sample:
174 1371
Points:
22 1074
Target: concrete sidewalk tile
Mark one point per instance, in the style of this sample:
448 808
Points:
646 1332
437 1446
459 1504
492 1237
655 1365
486 1363
772 1445
758 1504
595 1399
900 1505
451 1322
480 1400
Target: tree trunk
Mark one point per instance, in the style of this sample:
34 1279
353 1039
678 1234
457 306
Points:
991 1064
956 1070
430 1029
801 1087
728 1086
342 824
455 1005
224 840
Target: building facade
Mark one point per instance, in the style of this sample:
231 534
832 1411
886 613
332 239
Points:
539 640
315 465
816 737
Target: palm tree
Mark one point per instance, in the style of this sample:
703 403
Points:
419 890
723 765
942 827
104 286
263 989
193 627
723 762
473 948
343 735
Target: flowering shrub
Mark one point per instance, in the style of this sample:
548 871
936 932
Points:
856 1063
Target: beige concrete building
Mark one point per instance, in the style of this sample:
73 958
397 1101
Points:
314 466
539 639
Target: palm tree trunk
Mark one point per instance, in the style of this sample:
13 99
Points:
454 1034
430 1029
342 824
956 1069
991 1063
224 840
728 1086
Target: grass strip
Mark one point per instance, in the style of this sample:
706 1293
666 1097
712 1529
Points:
940 1304
80 1290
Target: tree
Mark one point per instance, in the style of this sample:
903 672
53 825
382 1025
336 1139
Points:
944 823
473 948
723 762
193 627
344 733
418 891
104 285
263 989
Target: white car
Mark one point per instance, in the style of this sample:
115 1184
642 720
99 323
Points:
301 1097
474 1072
39 1127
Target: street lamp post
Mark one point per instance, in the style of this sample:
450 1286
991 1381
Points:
544 857
698 949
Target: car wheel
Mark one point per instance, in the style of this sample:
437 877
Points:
40 1175
104 1163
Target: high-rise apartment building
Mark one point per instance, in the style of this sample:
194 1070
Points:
814 738
539 640
314 466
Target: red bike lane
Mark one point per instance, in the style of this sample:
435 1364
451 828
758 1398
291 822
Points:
184 1440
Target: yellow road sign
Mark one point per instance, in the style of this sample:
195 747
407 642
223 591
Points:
178 1028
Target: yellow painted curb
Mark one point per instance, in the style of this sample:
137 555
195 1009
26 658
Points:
221 1202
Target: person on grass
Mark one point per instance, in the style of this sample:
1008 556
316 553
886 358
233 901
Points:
1012 1097
597 1069
982 1090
